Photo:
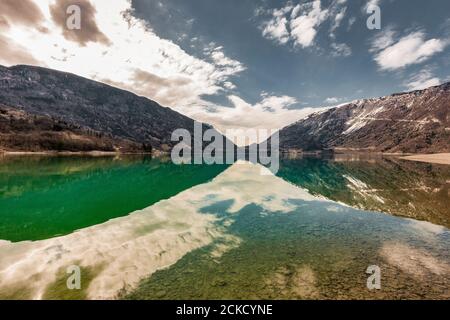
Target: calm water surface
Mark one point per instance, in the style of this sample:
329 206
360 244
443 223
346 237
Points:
143 228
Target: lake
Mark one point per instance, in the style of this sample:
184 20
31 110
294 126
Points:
144 228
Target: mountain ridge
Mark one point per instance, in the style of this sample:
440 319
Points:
123 117
65 112
408 122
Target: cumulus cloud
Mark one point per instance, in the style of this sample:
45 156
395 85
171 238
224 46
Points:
226 65
331 100
133 57
13 53
122 50
229 85
424 79
337 21
271 112
371 3
24 12
383 40
411 49
304 26
340 50
166 90
277 27
300 24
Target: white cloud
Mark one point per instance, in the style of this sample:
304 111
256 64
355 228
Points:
271 112
226 65
229 85
383 40
131 56
408 50
337 21
276 28
351 22
341 49
136 59
133 49
332 100
371 3
424 79
300 24
304 26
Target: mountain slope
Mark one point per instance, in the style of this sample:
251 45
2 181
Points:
413 122
89 105
21 131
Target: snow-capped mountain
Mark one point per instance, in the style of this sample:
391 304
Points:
411 122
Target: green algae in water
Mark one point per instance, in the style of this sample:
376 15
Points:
43 197
58 290
20 291
308 249
306 254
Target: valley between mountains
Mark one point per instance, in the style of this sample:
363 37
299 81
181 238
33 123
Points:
46 110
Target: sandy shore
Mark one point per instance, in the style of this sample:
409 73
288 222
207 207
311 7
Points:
439 158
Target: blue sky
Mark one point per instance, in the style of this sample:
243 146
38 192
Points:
238 63
313 73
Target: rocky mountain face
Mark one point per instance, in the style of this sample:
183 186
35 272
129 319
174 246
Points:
88 106
83 115
21 131
413 122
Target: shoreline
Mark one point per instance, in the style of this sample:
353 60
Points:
436 158
442 158
76 153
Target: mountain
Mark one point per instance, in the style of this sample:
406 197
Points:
412 122
21 131
77 109
43 109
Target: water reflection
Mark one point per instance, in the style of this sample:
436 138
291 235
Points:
404 188
42 197
242 235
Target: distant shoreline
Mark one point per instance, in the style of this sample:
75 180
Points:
75 153
437 158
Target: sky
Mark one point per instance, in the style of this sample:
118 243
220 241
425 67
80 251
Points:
237 63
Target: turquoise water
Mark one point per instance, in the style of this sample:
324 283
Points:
43 197
217 232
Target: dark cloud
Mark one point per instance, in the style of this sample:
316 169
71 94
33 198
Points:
141 76
3 23
20 12
89 31
166 91
11 53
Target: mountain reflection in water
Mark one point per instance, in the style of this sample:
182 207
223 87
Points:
243 235
43 197
403 188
